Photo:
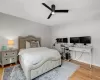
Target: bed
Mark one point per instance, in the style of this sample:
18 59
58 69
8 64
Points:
36 60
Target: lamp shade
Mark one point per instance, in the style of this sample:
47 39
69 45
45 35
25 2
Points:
10 42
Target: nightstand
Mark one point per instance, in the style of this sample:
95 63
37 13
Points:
8 57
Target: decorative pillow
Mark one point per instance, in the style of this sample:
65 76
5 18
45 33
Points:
34 44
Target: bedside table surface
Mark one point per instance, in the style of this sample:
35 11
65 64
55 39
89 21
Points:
9 50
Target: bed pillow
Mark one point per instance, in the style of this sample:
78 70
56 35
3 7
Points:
34 44
31 50
27 44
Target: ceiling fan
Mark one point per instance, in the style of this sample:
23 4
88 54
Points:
53 11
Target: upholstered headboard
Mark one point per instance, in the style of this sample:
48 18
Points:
22 41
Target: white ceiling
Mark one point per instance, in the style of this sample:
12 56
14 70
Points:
33 10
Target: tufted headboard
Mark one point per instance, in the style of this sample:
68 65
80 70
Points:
22 41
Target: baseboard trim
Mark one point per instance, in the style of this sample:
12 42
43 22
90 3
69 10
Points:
86 64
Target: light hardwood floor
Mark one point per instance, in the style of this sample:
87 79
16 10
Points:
83 73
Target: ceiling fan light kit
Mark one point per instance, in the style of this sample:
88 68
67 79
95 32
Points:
53 10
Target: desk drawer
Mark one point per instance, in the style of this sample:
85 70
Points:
9 60
86 50
8 54
80 49
6 61
13 59
5 54
13 53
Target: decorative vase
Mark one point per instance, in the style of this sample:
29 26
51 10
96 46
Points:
4 47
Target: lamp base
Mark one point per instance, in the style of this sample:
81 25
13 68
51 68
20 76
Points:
10 48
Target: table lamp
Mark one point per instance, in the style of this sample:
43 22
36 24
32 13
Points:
10 44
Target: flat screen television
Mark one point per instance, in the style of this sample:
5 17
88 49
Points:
65 40
59 40
74 40
85 40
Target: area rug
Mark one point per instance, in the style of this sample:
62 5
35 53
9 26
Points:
59 73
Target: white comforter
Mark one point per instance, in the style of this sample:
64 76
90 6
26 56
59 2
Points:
36 55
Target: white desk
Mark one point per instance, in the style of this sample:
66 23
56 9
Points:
83 50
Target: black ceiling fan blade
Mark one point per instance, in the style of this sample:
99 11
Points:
49 15
53 8
61 10
47 6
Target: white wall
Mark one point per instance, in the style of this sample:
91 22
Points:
12 27
90 28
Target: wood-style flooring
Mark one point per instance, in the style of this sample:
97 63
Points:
83 73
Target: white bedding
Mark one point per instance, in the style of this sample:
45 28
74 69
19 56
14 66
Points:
28 50
36 55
